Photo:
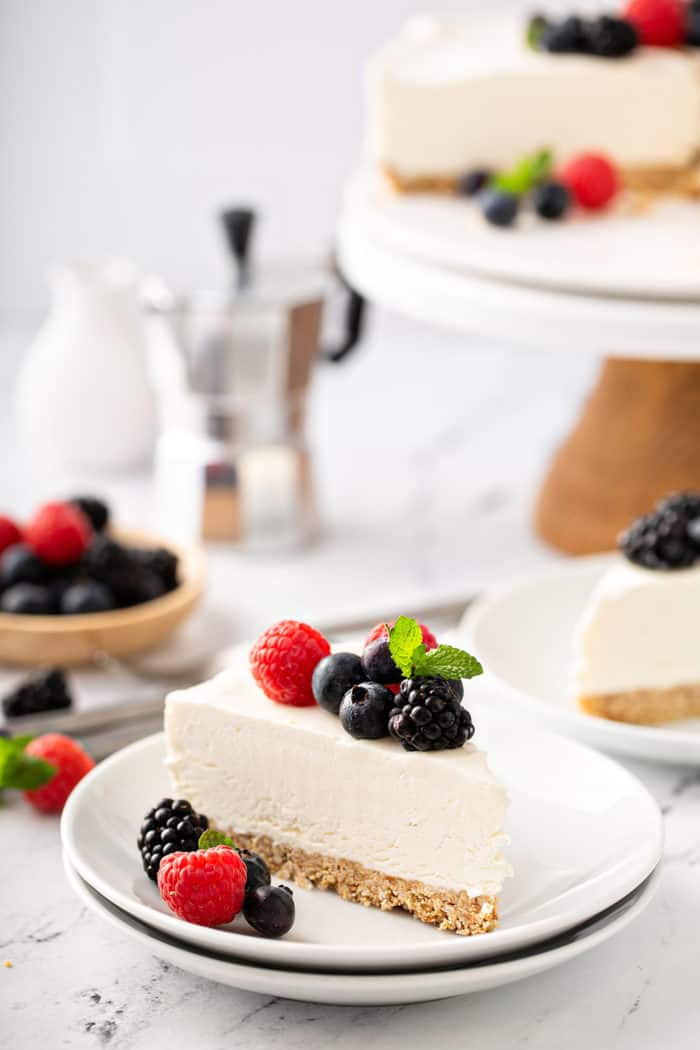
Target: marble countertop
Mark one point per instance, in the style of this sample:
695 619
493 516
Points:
422 497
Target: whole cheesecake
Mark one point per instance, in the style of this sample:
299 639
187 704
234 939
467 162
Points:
380 826
445 97
637 657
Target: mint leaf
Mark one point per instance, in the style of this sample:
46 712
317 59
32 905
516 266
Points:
211 838
19 770
534 32
404 638
526 173
446 662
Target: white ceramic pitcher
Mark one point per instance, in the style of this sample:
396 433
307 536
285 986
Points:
84 400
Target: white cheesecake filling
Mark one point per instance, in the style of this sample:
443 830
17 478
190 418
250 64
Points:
295 775
639 631
446 96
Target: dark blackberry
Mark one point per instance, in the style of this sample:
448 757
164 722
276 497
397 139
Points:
608 37
95 510
108 562
170 827
667 538
139 586
41 691
428 716
160 561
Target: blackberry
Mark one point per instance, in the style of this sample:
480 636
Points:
170 827
95 510
162 562
608 37
109 563
429 717
669 537
41 691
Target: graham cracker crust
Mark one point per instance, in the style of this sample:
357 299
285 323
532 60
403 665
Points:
645 706
452 910
645 183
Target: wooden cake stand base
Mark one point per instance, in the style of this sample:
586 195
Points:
638 439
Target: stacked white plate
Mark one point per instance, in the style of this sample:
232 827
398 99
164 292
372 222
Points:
585 843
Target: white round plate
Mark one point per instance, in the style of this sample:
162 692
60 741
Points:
584 832
523 635
627 285
355 989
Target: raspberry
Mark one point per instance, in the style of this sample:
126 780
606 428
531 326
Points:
659 23
283 660
206 887
592 180
10 533
429 639
71 762
58 533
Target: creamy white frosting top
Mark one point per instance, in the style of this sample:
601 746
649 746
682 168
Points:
445 96
639 631
294 774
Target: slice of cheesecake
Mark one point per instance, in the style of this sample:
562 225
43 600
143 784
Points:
445 97
637 652
377 824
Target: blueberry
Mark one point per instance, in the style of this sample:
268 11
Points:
95 510
565 37
19 564
473 181
258 871
364 711
333 676
693 530
270 910
86 597
693 27
378 663
31 599
499 207
551 200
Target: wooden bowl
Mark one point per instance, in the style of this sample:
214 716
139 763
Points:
67 641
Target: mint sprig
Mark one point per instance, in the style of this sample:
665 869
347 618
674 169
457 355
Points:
210 838
413 659
525 175
18 769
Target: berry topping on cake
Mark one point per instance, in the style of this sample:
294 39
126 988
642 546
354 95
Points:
69 764
472 182
257 869
669 537
206 887
283 661
659 23
170 827
381 630
428 716
499 207
378 663
10 533
58 533
332 678
592 179
270 910
95 510
603 37
364 712
41 691
551 200
29 599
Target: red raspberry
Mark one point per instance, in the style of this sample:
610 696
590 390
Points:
206 886
10 533
592 180
283 660
429 639
58 533
71 762
659 23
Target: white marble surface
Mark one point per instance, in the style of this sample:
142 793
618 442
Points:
426 488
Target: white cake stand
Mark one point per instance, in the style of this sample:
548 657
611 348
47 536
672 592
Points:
626 286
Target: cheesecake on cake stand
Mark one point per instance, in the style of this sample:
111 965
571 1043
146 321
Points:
623 283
